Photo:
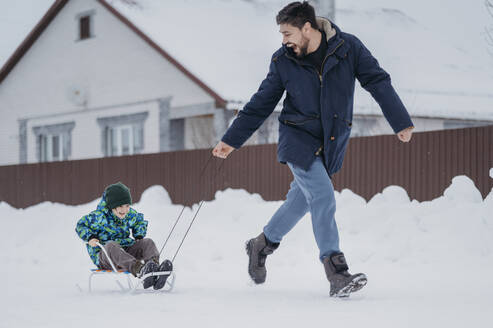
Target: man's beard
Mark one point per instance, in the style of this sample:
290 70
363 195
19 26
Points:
303 48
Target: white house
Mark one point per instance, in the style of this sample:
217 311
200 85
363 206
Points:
102 78
87 83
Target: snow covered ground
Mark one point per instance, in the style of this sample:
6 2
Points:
429 264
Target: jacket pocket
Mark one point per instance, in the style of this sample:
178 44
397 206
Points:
339 138
297 119
340 126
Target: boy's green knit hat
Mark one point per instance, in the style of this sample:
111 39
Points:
116 195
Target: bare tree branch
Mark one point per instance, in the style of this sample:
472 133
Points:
489 6
489 36
489 29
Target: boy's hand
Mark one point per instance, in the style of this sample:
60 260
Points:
93 242
222 150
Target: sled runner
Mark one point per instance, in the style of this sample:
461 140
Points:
132 283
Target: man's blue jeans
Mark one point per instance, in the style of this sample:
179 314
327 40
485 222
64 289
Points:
311 191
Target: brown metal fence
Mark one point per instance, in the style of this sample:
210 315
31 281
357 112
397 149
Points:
423 167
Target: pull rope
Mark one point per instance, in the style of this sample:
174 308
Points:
183 209
194 217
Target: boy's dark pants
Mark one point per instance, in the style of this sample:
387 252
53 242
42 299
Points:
123 259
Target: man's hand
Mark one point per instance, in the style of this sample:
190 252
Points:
93 242
222 150
405 135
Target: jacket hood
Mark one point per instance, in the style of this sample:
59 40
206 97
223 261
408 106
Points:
329 28
102 204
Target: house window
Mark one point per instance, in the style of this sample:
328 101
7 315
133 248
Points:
122 135
50 147
53 142
85 27
177 134
85 24
123 140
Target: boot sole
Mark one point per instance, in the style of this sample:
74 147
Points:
248 251
356 284
161 280
150 281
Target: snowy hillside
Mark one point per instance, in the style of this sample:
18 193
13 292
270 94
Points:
434 76
431 74
429 265
435 54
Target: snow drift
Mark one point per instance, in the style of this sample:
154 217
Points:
428 263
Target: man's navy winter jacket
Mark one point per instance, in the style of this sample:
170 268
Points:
318 109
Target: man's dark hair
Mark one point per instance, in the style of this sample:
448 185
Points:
297 14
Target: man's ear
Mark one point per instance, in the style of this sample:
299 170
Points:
306 28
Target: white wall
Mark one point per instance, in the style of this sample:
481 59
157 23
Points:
114 67
86 135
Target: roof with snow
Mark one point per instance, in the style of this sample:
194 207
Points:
227 45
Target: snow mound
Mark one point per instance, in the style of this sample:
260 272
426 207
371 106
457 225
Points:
462 189
390 195
348 198
489 199
154 195
4 206
233 195
396 194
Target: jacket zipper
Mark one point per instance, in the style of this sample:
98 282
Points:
319 150
323 62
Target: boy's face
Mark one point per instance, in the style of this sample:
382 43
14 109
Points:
121 211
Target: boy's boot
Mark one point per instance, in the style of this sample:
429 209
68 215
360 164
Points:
161 280
136 267
148 267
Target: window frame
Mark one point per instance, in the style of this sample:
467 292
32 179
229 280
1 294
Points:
115 145
85 27
45 135
134 122
47 147
89 15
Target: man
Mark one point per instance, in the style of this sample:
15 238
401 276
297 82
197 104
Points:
110 225
317 66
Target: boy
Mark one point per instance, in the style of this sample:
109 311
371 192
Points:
110 225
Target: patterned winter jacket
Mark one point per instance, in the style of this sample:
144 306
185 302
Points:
105 226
